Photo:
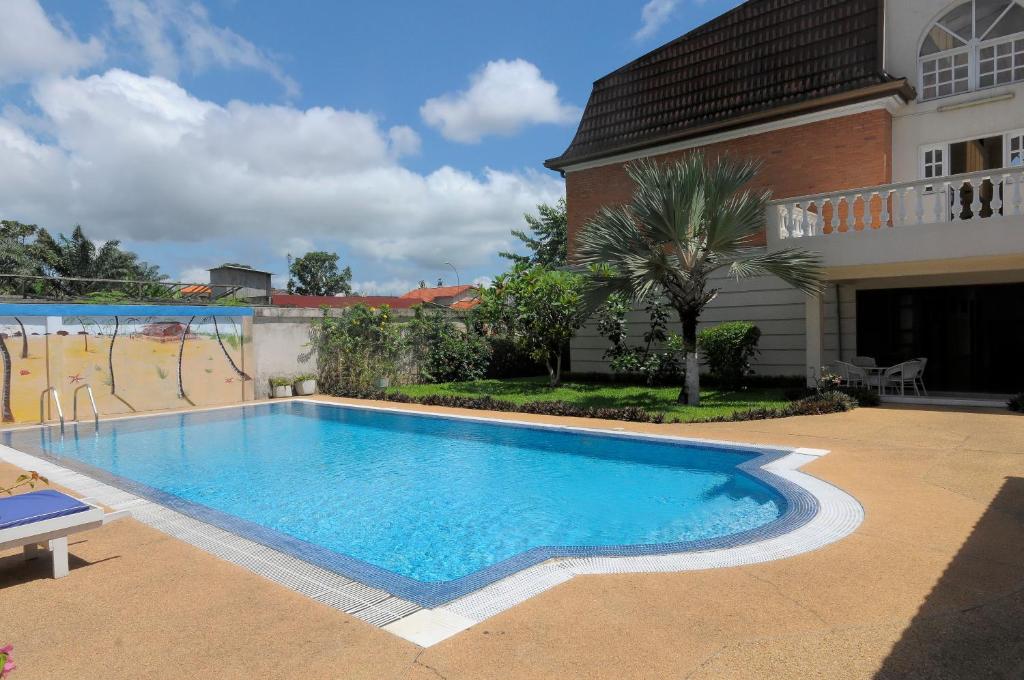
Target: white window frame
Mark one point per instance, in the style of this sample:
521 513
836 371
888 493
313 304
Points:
972 48
944 163
1007 140
1016 60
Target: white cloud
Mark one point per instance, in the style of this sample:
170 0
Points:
171 32
30 45
653 16
389 287
195 275
502 97
140 159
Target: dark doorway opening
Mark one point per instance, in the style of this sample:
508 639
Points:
971 335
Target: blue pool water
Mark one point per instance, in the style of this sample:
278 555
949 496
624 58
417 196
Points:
428 498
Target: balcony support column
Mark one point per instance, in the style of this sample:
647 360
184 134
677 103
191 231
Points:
814 314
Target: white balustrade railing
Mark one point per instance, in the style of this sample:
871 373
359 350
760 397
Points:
958 198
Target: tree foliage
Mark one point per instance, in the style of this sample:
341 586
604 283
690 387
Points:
729 348
444 351
356 348
548 238
317 273
28 250
539 308
686 221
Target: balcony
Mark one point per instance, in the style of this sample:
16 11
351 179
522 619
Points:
974 215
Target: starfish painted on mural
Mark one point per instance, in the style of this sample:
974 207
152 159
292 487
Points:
76 378
229 380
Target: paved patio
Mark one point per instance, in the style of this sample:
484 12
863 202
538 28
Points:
931 585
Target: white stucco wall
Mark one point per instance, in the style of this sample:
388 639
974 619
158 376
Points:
921 123
280 339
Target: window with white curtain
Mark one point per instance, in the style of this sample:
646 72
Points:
976 44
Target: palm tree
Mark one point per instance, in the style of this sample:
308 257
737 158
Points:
686 221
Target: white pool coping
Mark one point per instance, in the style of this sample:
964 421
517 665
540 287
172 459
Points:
839 514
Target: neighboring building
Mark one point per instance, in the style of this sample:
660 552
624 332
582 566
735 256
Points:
455 297
892 134
442 295
241 282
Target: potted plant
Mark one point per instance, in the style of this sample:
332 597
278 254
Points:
305 384
280 387
384 382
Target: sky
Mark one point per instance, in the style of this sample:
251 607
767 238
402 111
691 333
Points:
402 135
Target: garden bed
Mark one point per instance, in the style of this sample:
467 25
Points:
605 395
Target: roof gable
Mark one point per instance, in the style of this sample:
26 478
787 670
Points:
760 56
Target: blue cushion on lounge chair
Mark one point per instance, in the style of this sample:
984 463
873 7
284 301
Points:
36 506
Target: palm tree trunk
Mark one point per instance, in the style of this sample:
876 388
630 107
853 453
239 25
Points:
5 398
24 339
181 353
241 374
690 393
110 354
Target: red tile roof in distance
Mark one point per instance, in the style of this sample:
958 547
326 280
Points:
317 301
463 305
431 294
763 60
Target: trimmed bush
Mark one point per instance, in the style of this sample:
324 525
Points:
728 349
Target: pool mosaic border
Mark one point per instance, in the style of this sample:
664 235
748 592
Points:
816 514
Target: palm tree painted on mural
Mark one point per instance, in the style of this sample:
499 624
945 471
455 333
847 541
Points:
216 329
5 398
110 354
24 339
181 354
686 221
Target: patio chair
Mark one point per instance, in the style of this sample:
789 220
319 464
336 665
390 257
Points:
920 375
902 376
852 376
863 362
31 519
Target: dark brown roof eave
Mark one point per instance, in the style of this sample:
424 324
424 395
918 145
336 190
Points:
899 87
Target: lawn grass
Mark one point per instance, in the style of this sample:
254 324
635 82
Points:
608 395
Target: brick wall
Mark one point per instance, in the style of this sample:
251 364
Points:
840 153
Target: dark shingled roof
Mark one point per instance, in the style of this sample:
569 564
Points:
762 57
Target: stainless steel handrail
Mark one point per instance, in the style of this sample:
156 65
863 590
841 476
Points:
92 400
56 400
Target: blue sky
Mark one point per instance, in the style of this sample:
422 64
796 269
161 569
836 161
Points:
399 134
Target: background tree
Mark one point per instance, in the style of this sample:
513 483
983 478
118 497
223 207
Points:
78 256
548 238
16 252
540 309
686 221
316 273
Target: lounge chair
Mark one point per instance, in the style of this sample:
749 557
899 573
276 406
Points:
30 519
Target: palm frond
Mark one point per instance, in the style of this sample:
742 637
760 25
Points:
797 267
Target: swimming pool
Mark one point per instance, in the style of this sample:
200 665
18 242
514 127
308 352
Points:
429 507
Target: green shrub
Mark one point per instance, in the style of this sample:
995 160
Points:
658 361
356 348
444 352
728 349
303 376
1016 402
279 381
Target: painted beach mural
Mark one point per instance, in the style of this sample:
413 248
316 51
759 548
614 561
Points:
134 362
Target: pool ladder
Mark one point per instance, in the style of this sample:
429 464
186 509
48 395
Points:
56 400
92 402
74 405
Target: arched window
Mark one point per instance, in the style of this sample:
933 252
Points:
977 44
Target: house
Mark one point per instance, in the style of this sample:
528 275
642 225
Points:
443 295
455 297
241 281
891 134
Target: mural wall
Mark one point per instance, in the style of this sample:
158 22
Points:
135 358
